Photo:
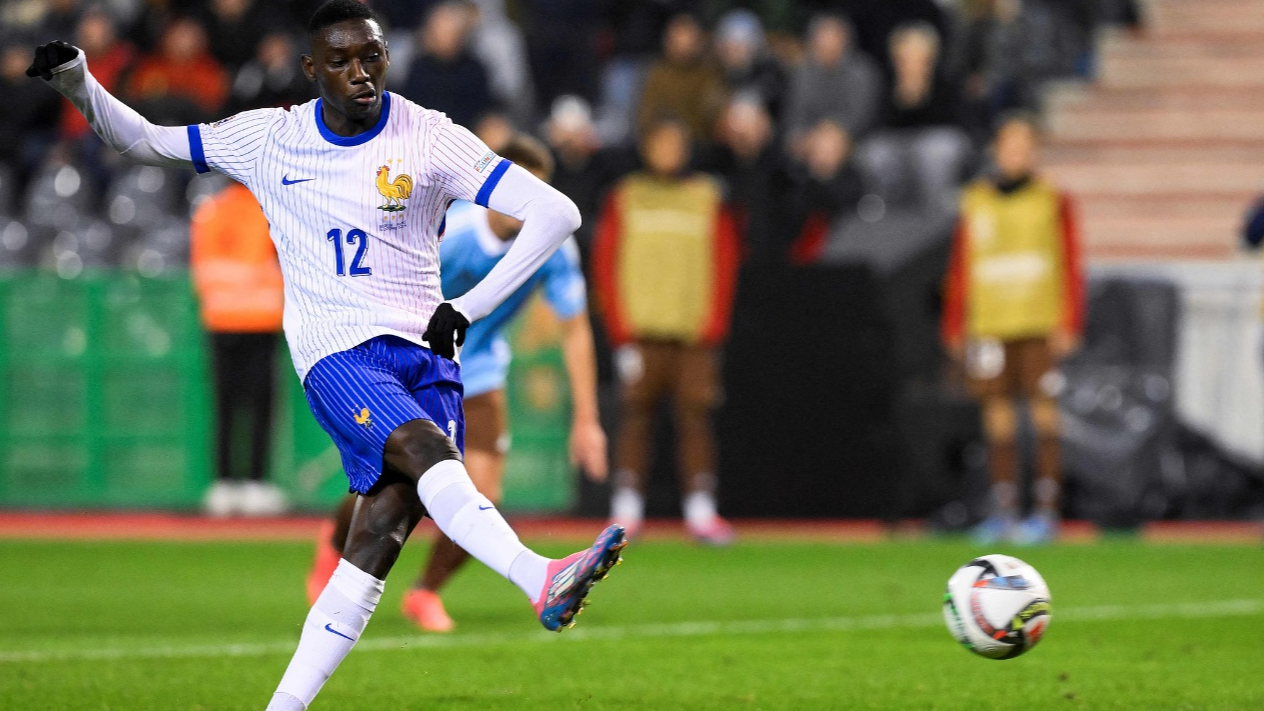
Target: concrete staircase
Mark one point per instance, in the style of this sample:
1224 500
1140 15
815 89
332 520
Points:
1165 151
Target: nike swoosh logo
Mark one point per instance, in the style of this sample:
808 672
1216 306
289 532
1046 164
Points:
484 508
331 629
286 180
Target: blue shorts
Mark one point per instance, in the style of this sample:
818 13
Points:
359 396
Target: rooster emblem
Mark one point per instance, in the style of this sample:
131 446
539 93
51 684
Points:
365 418
395 191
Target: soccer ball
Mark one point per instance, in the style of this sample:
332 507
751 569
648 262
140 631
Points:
997 606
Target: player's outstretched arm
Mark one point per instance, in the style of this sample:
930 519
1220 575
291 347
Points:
548 218
65 69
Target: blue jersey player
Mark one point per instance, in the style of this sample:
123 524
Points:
475 241
355 186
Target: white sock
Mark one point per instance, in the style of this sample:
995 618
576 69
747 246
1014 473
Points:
473 523
699 508
334 624
627 505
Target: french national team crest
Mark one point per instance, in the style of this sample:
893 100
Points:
395 191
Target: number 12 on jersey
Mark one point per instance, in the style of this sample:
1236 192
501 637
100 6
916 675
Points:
356 236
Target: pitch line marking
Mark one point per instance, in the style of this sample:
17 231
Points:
1191 610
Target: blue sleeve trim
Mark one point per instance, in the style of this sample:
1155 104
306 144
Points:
195 147
485 192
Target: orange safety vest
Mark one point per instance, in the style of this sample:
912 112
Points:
235 269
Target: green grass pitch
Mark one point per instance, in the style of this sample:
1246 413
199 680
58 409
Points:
185 626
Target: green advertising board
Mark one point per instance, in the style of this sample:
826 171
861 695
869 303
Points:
105 403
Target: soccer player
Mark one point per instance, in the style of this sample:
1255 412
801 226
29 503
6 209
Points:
355 185
475 241
1014 308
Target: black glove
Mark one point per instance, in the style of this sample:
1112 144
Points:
446 330
50 56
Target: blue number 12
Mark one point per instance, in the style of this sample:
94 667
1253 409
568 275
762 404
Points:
354 236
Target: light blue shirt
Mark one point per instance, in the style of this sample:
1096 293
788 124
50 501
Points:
468 252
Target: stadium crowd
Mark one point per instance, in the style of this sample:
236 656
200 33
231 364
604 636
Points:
800 108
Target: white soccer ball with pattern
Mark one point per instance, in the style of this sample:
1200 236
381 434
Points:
997 606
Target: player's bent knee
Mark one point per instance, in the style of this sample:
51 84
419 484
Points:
414 447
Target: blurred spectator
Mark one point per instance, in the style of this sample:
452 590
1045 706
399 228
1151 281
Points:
683 83
499 45
238 283
1012 48
635 32
585 170
755 172
748 68
236 27
562 46
273 78
919 154
665 267
824 186
874 22
108 58
1014 308
182 82
445 76
834 83
27 113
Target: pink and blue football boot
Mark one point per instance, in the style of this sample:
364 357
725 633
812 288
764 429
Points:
569 579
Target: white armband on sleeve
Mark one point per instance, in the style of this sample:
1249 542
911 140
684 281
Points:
548 216
118 124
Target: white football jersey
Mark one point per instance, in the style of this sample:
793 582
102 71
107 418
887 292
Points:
356 220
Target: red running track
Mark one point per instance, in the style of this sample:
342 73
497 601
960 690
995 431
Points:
24 525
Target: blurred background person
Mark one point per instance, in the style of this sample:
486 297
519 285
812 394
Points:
683 82
445 76
835 82
665 268
747 67
917 156
586 167
1013 309
754 170
234 29
273 77
824 186
180 82
240 297
498 43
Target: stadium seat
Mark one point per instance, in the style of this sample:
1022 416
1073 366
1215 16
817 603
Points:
205 186
90 244
56 199
16 245
141 198
161 249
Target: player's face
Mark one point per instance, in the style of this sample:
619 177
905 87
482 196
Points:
348 63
